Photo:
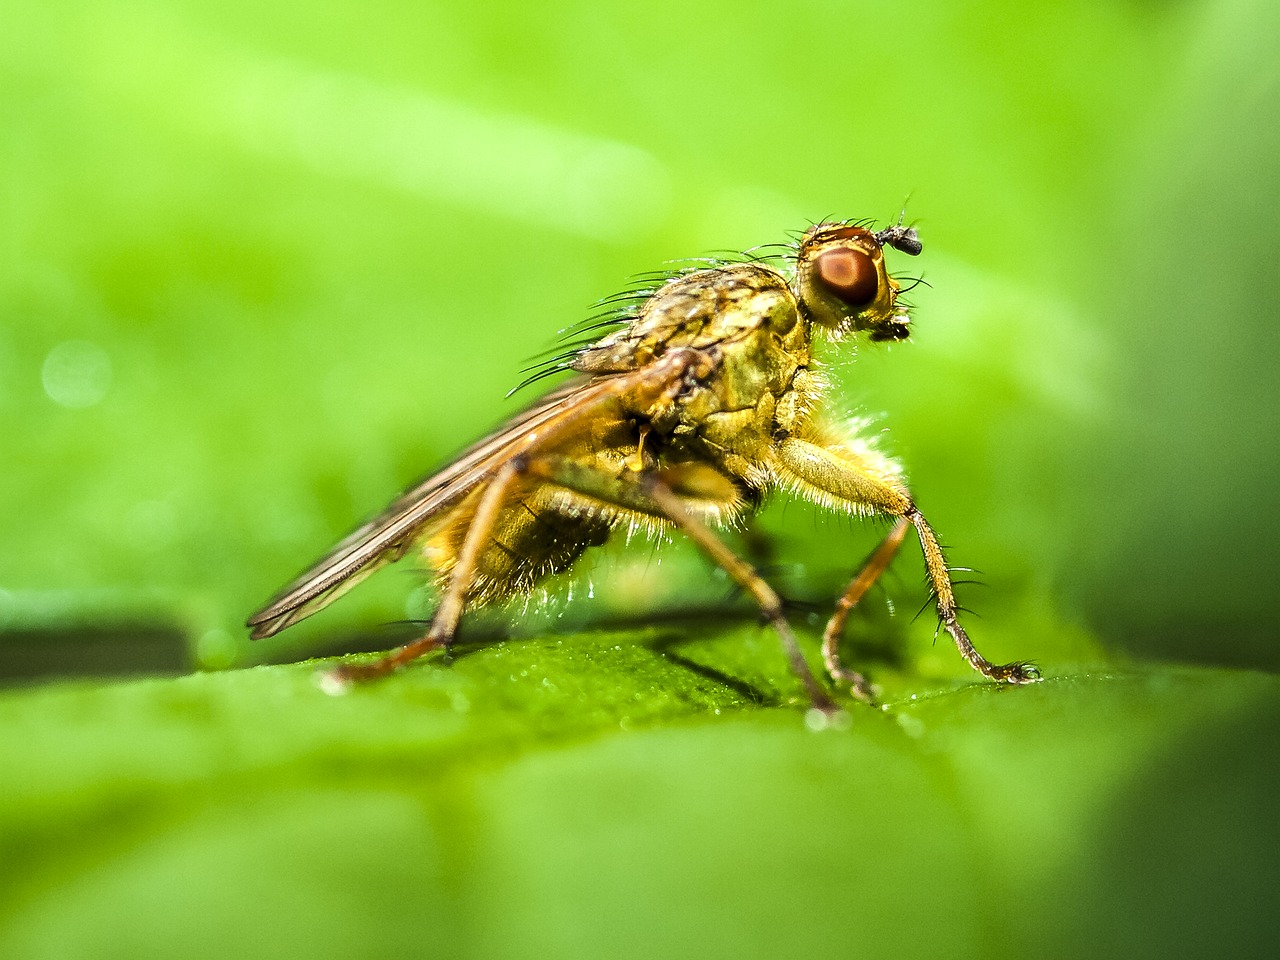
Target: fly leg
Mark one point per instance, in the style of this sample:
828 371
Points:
445 622
666 379
864 482
589 487
746 577
669 495
858 586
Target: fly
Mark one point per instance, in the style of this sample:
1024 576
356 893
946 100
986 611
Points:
701 396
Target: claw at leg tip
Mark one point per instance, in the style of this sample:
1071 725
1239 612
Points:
1023 673
868 694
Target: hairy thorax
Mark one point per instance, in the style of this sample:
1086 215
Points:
750 380
747 382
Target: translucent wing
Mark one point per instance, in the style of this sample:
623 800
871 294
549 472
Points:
388 536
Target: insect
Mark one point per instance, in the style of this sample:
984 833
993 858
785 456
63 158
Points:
695 399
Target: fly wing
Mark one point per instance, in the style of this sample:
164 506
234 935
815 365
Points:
387 537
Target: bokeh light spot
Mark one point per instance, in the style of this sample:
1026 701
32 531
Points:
76 374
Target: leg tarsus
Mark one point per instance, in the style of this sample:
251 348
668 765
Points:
1019 673
948 610
339 679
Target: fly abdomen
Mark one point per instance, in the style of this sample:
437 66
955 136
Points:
531 540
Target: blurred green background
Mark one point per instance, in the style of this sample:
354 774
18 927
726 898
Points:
265 264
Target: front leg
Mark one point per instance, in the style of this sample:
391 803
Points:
862 481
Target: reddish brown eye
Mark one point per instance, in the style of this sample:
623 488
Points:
849 274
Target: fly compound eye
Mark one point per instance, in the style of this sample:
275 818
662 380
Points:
850 274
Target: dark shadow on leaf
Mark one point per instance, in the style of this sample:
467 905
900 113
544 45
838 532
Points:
873 635
749 692
35 654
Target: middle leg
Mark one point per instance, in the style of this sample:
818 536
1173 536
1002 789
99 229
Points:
864 580
668 495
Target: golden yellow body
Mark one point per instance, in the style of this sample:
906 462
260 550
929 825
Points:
702 400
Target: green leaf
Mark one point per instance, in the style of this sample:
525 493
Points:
591 795
264 264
